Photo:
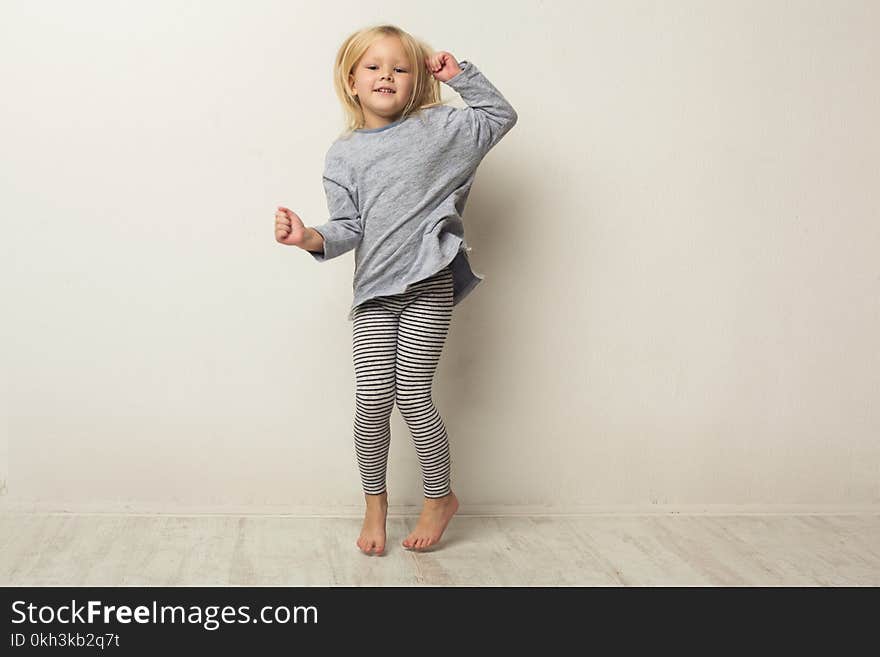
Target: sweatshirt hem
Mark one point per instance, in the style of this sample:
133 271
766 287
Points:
461 271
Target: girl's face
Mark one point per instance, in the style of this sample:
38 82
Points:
385 64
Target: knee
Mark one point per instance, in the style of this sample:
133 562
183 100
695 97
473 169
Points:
414 403
375 398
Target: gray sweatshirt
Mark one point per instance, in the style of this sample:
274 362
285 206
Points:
396 194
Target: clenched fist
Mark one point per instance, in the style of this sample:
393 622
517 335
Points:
289 228
442 66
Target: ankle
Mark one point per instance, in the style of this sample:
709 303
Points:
377 501
439 501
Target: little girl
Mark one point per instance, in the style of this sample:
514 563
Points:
397 181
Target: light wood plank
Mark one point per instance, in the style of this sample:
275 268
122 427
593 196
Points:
590 550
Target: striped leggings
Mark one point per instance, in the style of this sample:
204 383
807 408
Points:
397 342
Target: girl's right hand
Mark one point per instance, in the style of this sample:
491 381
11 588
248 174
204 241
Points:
289 228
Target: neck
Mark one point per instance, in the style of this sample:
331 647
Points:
372 121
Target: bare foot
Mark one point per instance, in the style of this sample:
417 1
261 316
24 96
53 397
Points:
436 514
372 538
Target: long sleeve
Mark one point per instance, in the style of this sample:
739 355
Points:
488 116
344 230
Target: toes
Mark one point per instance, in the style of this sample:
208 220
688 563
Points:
369 546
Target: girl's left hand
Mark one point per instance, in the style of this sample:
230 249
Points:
442 66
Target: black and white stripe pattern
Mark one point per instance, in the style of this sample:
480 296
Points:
397 341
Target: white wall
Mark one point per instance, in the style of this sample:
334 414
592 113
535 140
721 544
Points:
680 240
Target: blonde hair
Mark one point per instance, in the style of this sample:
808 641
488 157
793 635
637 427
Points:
426 89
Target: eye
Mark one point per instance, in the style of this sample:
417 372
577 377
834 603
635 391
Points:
402 70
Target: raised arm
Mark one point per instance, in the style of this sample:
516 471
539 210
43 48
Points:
344 230
488 115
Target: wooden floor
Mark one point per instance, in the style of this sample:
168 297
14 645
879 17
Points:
599 550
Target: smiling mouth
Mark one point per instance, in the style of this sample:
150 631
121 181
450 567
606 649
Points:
386 93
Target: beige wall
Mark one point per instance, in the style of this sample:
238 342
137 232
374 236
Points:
680 240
